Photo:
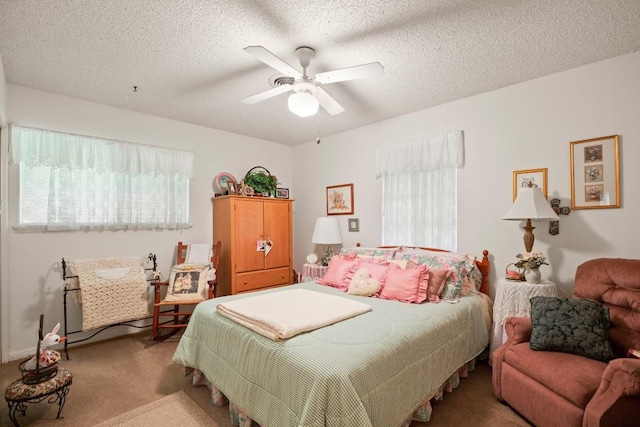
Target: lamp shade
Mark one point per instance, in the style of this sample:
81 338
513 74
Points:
326 231
303 103
530 204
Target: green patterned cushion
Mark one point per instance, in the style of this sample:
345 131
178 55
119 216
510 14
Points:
570 325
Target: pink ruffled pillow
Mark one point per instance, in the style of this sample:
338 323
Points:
437 279
468 286
406 285
377 270
340 272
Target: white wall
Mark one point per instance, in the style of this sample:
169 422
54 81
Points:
3 96
34 283
3 186
526 126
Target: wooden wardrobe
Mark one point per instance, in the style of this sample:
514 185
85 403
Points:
240 223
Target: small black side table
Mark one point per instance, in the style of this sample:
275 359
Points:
56 389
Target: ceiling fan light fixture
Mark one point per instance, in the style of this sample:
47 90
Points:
305 93
303 103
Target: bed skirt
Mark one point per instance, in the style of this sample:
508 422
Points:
422 413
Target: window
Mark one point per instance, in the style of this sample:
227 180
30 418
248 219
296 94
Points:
419 191
74 182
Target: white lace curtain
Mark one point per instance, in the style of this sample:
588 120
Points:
419 190
70 182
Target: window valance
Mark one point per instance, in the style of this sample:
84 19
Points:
38 147
422 154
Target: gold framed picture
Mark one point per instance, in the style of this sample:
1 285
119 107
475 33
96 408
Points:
530 178
595 173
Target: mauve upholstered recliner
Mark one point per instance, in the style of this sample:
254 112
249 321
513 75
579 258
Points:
560 389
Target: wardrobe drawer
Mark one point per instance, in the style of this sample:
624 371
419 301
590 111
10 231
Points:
262 279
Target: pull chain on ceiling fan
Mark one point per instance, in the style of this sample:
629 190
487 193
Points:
306 94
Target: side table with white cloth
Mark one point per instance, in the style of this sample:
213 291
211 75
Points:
512 300
313 272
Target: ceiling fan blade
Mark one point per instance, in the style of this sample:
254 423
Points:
327 102
267 94
273 61
351 73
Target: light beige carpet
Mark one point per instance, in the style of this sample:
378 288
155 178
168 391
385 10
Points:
177 409
114 377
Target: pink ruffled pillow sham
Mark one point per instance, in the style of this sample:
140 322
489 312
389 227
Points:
413 284
437 279
406 285
340 272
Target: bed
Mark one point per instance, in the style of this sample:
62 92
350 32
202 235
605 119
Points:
374 369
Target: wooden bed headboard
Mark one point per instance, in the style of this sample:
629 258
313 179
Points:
483 264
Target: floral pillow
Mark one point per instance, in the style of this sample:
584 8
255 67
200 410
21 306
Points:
570 325
382 253
372 259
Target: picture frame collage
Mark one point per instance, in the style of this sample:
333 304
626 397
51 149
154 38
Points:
595 174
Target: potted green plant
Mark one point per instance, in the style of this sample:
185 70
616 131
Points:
261 181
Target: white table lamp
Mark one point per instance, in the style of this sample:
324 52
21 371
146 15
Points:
530 204
326 232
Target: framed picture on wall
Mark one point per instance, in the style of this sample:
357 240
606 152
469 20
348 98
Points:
595 175
530 178
340 199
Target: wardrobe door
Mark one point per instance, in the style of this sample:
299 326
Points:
277 227
249 226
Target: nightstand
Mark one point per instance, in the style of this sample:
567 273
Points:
312 272
512 300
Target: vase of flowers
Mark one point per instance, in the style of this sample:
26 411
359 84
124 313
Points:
532 275
531 262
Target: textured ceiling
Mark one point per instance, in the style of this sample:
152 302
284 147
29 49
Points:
186 56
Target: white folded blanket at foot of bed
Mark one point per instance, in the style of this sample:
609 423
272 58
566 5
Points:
284 314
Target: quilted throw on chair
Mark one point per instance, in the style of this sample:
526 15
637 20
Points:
113 290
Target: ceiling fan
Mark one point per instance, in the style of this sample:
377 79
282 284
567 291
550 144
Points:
306 93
